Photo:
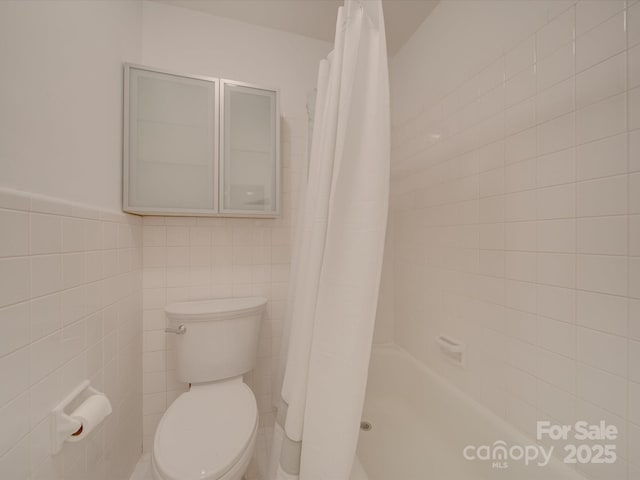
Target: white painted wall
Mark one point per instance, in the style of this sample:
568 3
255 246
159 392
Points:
61 101
193 42
61 96
516 208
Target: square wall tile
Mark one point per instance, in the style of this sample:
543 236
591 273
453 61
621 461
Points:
555 101
602 388
557 33
601 81
603 119
523 55
601 42
606 313
14 233
602 158
557 336
14 321
556 134
556 67
601 350
633 24
591 13
45 234
603 235
602 274
14 280
606 196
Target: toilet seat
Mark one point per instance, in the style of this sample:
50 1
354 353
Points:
206 432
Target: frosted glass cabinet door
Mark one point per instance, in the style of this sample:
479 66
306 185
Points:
250 150
170 142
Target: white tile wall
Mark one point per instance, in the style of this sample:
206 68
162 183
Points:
70 310
541 274
192 258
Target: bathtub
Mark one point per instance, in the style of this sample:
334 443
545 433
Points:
420 426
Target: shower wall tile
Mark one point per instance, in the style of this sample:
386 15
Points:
603 119
65 319
188 258
559 66
633 24
601 42
558 32
590 13
601 81
547 266
602 158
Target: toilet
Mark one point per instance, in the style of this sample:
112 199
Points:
209 432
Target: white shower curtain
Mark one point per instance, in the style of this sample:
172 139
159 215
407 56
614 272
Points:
337 256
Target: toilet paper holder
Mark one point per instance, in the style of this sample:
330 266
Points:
63 426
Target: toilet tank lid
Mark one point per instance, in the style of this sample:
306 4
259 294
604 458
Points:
215 308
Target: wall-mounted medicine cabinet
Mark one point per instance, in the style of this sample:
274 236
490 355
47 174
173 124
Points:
197 145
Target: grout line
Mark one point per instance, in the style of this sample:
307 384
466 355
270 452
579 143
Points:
537 194
628 196
575 200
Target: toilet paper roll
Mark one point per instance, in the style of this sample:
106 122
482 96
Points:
90 414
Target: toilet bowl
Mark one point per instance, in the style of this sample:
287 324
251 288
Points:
209 432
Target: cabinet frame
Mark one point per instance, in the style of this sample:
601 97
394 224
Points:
218 151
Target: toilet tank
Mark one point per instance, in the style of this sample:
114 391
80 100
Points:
215 339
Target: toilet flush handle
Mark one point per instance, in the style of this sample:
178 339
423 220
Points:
181 330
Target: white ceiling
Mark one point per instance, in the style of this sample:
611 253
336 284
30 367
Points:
314 18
